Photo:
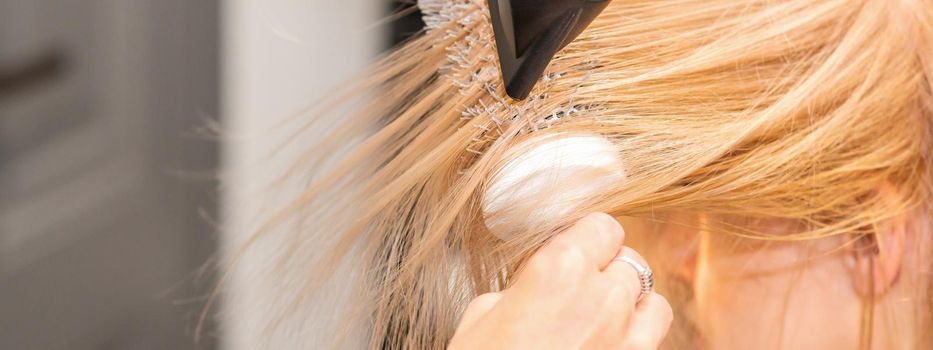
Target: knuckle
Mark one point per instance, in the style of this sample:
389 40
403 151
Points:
604 224
559 244
570 260
561 256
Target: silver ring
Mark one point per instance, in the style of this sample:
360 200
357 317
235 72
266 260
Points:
645 276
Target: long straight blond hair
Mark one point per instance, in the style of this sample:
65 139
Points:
792 109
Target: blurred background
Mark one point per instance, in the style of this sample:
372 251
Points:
117 164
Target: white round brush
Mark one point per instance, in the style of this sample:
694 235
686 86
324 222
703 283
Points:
548 181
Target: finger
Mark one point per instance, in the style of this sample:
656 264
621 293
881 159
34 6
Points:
650 323
597 237
625 276
478 307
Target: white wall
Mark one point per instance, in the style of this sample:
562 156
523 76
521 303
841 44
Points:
99 225
278 56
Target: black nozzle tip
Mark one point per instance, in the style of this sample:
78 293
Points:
529 33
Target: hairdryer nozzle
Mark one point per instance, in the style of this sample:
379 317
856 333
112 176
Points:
529 32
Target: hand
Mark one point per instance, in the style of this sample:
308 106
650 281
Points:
570 295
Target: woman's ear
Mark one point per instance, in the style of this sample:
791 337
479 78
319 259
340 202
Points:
875 259
681 244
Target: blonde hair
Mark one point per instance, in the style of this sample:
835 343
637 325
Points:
793 109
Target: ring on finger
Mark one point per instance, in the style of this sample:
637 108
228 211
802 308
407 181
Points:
645 276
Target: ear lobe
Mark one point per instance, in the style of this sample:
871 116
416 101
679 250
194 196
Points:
875 259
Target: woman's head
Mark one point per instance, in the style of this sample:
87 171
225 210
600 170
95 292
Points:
816 116
843 291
